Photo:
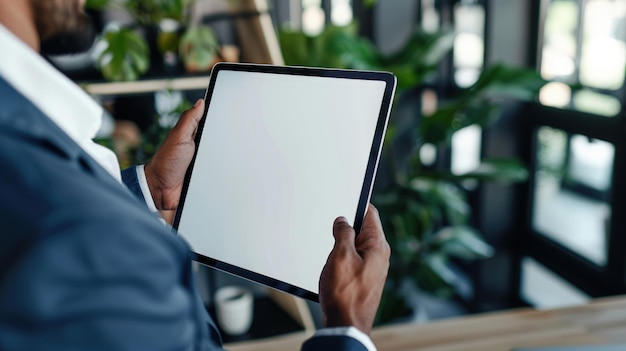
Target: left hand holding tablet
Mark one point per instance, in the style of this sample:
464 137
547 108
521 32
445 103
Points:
165 173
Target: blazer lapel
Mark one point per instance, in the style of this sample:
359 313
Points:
19 115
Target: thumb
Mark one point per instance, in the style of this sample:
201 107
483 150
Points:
188 122
344 234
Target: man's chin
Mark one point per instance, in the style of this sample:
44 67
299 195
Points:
71 42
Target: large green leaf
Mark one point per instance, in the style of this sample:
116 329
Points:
432 280
429 193
439 265
359 53
423 49
126 57
514 82
499 170
442 197
439 127
326 48
463 242
418 58
294 46
507 170
453 202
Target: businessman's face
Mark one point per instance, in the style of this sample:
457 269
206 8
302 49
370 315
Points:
63 26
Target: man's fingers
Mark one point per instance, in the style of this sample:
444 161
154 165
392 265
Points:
371 240
189 120
344 234
371 224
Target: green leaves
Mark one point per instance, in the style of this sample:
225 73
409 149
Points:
126 57
476 105
97 4
463 242
447 198
419 58
334 47
505 170
511 82
198 48
341 47
151 12
439 127
499 170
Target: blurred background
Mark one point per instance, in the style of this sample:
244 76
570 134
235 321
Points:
501 176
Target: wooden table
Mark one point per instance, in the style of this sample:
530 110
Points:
602 321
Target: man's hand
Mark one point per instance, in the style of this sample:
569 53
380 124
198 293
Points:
165 173
353 278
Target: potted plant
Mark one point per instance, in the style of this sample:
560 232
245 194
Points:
153 40
424 210
126 56
199 49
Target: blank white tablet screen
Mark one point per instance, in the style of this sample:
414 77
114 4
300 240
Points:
281 156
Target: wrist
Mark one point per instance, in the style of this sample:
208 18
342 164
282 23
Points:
153 186
335 320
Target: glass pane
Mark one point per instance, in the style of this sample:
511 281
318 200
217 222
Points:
428 154
430 16
556 94
313 18
590 163
544 289
466 149
341 13
603 58
596 103
559 47
573 216
469 45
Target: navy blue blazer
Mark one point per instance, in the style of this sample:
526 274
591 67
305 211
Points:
83 264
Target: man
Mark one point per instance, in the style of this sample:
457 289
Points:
83 264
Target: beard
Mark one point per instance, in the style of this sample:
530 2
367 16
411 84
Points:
63 27
69 42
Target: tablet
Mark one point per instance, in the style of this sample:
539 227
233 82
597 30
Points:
281 152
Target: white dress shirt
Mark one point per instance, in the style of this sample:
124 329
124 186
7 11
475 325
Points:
80 117
59 98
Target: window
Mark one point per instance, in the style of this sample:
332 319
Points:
315 14
573 179
469 45
584 45
313 17
544 289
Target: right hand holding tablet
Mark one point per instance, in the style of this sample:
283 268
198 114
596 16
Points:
353 278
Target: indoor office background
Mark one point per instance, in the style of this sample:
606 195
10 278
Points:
556 238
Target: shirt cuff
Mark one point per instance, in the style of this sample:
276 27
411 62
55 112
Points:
145 190
350 332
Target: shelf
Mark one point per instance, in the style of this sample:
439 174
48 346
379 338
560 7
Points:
146 86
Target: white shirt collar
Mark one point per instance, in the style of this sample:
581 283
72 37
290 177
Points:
75 112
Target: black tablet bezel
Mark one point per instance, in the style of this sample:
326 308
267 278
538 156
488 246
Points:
368 182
